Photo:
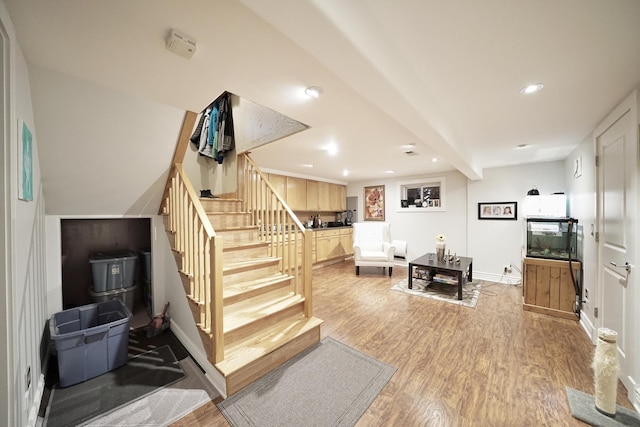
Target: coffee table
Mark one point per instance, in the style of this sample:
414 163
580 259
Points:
430 262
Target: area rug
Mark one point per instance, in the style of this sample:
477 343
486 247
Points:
441 291
143 374
165 406
583 407
330 384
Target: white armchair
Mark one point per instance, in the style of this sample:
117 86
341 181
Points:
372 245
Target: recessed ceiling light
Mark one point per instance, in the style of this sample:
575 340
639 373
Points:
345 172
390 171
307 165
332 149
434 159
533 88
313 91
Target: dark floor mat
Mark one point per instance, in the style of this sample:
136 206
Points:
143 374
139 343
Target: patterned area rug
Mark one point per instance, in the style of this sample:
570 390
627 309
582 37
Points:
441 291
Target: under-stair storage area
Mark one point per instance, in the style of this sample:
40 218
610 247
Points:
107 259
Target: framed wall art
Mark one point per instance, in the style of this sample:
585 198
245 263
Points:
498 210
374 203
25 168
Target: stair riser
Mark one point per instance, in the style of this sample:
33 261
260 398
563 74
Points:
253 274
178 257
197 311
237 236
172 239
227 220
221 205
284 286
244 331
269 362
246 253
186 284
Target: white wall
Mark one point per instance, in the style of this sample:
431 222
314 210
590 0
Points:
24 293
492 244
581 191
496 243
103 152
420 228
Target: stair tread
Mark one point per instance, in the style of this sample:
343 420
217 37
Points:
227 213
264 342
237 228
219 199
254 309
249 285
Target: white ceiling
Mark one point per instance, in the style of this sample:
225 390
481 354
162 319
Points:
443 75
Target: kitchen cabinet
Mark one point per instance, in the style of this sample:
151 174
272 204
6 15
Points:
332 243
327 244
309 195
312 196
549 288
346 241
337 197
279 183
324 196
296 193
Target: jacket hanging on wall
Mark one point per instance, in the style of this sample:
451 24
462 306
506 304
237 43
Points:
214 136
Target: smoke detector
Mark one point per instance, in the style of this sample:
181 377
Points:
410 153
180 44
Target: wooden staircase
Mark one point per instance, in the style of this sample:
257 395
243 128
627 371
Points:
245 265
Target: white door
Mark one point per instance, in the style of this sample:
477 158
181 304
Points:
617 148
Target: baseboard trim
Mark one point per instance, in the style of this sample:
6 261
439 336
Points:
588 327
37 401
499 278
211 373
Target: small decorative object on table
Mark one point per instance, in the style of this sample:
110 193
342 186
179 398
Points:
440 246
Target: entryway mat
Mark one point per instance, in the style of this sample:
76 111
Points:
583 407
143 374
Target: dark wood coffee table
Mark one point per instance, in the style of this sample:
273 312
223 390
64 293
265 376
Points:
430 263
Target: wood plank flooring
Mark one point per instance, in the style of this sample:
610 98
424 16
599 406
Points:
494 365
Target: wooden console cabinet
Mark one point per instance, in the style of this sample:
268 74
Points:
547 286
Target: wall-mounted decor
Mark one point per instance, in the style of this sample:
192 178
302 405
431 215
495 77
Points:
498 210
374 203
25 167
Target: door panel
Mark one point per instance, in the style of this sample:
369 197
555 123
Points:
617 175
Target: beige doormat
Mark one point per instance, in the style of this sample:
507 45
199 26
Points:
441 291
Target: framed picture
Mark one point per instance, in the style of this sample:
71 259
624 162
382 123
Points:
374 203
25 170
500 210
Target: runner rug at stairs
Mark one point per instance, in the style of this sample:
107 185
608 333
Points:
143 374
442 291
330 384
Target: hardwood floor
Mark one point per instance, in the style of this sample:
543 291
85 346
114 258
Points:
495 365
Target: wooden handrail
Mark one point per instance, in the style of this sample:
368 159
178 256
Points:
278 225
201 251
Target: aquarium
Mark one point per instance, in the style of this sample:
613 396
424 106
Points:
553 238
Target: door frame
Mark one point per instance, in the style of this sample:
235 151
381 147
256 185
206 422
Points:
630 377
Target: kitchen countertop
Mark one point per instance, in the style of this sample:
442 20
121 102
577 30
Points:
328 228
